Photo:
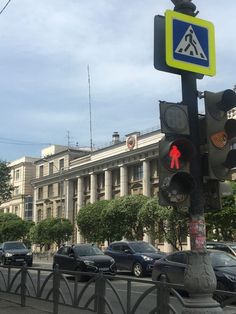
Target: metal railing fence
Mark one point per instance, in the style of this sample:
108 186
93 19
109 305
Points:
99 294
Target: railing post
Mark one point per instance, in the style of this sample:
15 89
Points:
100 293
56 288
23 284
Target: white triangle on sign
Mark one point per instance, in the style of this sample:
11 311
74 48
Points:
190 46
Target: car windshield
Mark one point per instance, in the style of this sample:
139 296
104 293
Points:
222 259
88 250
14 246
143 247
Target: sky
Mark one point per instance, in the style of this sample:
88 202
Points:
46 47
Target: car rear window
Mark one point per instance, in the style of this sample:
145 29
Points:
88 250
143 247
14 246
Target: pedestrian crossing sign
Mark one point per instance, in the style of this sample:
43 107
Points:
190 43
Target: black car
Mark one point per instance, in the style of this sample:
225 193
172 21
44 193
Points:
172 268
84 258
137 257
15 253
228 247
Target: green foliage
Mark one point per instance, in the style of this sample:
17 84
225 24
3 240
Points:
51 230
89 221
13 228
150 217
221 225
5 187
121 218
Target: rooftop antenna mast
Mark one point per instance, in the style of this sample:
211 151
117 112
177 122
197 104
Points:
90 112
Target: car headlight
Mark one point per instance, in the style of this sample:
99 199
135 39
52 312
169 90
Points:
88 263
29 253
231 277
147 258
8 254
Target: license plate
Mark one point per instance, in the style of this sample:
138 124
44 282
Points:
19 260
104 268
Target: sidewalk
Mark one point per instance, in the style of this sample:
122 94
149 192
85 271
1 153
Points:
10 304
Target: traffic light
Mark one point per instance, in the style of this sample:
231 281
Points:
219 132
175 154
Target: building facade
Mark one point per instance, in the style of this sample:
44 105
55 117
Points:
126 167
22 172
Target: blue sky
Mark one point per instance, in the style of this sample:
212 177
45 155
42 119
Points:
45 47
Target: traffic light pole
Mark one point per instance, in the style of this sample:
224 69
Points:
199 279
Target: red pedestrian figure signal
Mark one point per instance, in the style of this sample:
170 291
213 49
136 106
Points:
174 154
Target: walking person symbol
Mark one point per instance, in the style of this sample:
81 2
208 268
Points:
191 42
174 154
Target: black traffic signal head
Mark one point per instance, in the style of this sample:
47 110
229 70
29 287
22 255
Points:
219 132
175 180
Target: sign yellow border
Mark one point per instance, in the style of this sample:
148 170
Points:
184 65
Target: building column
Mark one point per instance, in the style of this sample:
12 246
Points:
34 209
146 178
108 184
80 203
93 188
69 210
123 180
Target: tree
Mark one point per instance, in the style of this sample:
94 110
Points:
120 218
90 223
151 218
12 227
222 224
5 187
51 230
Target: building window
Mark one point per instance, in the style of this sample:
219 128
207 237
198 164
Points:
50 190
87 184
59 211
137 172
61 164
41 171
17 174
16 190
51 165
116 177
28 208
101 180
49 212
16 210
60 191
39 215
40 193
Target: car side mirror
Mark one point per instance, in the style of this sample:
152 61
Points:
128 251
72 255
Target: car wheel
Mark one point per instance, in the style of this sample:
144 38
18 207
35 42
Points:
221 297
138 270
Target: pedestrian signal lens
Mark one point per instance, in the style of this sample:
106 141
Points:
174 155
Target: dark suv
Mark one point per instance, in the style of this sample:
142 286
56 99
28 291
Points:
15 253
135 256
84 258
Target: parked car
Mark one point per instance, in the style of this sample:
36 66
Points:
229 247
84 258
137 257
172 268
15 253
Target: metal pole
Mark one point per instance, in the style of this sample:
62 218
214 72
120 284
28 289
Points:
199 279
